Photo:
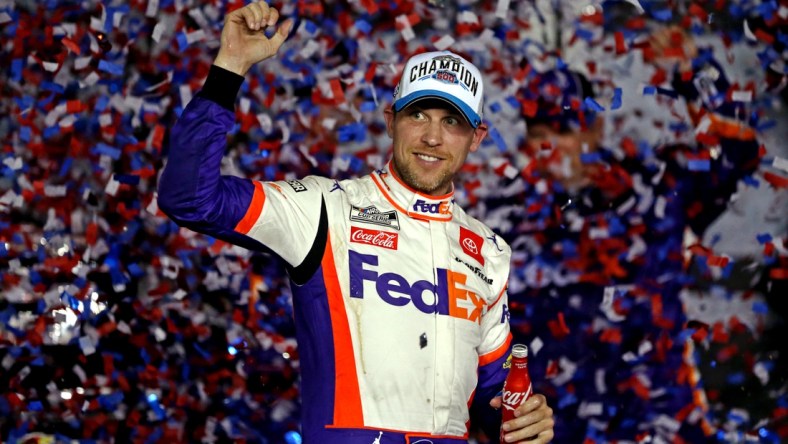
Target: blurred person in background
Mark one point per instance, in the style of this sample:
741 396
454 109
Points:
599 231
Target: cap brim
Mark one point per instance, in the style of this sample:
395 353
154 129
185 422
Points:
470 115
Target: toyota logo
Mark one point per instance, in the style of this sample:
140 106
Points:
470 245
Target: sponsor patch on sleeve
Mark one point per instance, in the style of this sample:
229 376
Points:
472 244
296 185
371 215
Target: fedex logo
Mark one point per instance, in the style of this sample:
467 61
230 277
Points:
422 206
446 297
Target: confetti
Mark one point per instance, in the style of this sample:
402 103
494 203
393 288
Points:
113 318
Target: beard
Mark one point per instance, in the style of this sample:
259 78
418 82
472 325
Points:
425 184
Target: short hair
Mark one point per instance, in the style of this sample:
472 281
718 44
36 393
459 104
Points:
557 98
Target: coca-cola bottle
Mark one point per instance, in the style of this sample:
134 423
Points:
517 387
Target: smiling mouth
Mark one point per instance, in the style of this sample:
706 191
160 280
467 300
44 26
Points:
427 158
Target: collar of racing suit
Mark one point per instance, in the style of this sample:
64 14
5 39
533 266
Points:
411 202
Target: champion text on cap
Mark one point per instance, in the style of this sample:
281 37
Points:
442 75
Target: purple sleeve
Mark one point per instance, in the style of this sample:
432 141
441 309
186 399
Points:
192 192
491 378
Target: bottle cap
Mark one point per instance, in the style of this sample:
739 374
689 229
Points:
519 351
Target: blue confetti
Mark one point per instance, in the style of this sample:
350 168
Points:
584 34
496 137
16 69
593 105
352 132
513 102
664 15
110 68
368 107
183 40
587 158
363 26
51 132
293 437
616 102
310 26
53 87
699 165
25 134
104 149
764 238
128 179
760 308
751 181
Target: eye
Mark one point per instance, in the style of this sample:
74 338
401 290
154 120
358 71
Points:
452 120
417 114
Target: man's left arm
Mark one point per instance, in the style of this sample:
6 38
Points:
534 418
726 148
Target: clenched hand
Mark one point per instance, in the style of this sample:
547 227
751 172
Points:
244 42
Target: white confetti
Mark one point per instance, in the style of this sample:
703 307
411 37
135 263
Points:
152 9
244 105
468 17
587 409
265 122
659 207
502 8
748 32
742 96
607 305
195 36
407 31
185 93
158 31
117 17
87 346
50 66
55 190
309 49
536 345
82 62
112 186
444 42
780 163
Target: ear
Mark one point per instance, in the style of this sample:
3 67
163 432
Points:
479 133
388 114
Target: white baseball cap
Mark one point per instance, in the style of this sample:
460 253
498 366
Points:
442 75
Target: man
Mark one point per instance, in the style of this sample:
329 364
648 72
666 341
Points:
399 296
601 232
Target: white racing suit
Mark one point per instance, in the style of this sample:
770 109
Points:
399 298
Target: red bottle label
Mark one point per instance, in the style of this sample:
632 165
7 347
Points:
516 390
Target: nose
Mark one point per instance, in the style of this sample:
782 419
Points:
433 134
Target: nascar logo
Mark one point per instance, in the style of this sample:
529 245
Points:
372 215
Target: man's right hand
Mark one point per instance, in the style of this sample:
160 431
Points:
244 42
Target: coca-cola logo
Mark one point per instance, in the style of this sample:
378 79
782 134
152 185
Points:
374 237
511 400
